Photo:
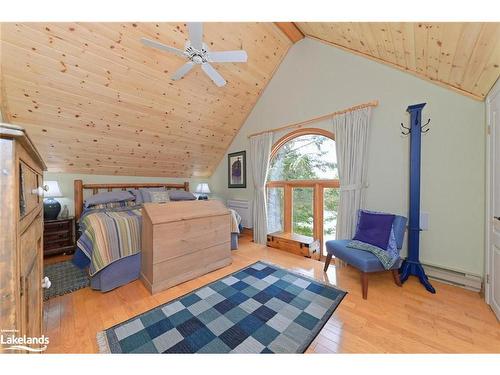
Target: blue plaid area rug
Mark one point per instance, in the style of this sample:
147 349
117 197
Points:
259 309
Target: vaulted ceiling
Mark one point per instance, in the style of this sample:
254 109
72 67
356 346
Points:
95 100
462 56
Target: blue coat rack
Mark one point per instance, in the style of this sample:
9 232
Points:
411 265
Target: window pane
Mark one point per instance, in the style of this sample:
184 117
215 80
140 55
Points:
307 157
330 209
275 199
302 211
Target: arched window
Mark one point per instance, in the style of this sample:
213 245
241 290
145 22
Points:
302 188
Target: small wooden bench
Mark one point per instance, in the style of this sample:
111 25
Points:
295 243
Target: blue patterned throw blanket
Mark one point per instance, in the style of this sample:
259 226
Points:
259 309
383 255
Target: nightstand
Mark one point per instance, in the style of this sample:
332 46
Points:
59 236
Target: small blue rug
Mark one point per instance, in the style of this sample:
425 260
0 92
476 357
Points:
65 278
259 309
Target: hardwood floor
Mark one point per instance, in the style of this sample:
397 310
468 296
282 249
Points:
392 320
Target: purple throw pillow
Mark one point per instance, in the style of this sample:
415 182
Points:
374 229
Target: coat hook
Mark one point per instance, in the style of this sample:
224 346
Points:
405 132
422 128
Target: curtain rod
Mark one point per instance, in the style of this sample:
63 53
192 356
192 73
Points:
373 103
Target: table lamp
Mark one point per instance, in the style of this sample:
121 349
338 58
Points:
202 189
51 207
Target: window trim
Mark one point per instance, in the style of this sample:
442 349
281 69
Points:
318 185
297 133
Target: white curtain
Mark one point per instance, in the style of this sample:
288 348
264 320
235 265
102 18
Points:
260 152
351 141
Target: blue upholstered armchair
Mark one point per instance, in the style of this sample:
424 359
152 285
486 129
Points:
365 261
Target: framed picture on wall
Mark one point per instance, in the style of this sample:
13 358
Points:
237 170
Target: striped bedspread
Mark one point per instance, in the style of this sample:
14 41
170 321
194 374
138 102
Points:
109 235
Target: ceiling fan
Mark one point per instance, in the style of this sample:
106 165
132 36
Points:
197 53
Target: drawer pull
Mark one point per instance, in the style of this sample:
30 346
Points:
40 190
46 283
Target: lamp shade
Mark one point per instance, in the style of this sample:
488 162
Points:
53 191
202 188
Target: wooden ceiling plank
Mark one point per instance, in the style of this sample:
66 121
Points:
119 170
360 44
409 46
434 44
395 30
449 43
133 162
388 43
483 49
373 29
491 72
129 172
48 147
4 108
420 34
369 39
467 41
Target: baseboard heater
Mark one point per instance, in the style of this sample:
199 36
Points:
452 277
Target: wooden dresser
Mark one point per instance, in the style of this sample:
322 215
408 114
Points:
183 240
21 239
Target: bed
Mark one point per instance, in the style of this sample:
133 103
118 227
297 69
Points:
116 234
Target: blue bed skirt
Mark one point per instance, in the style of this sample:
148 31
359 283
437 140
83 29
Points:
122 271
119 273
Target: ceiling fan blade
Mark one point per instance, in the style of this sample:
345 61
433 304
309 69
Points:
196 34
183 70
228 56
213 74
163 47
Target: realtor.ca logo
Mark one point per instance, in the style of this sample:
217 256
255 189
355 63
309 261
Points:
9 340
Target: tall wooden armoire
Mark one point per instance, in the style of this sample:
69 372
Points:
21 238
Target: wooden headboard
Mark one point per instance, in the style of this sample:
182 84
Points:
80 187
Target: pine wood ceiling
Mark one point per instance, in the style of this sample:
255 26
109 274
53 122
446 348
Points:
462 56
95 100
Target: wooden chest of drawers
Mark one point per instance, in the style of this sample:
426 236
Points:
183 240
59 236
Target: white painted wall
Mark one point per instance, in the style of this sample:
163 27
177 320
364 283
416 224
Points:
316 79
66 183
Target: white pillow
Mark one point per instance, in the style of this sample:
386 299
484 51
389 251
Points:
159 196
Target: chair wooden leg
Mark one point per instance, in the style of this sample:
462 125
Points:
395 275
327 262
364 284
